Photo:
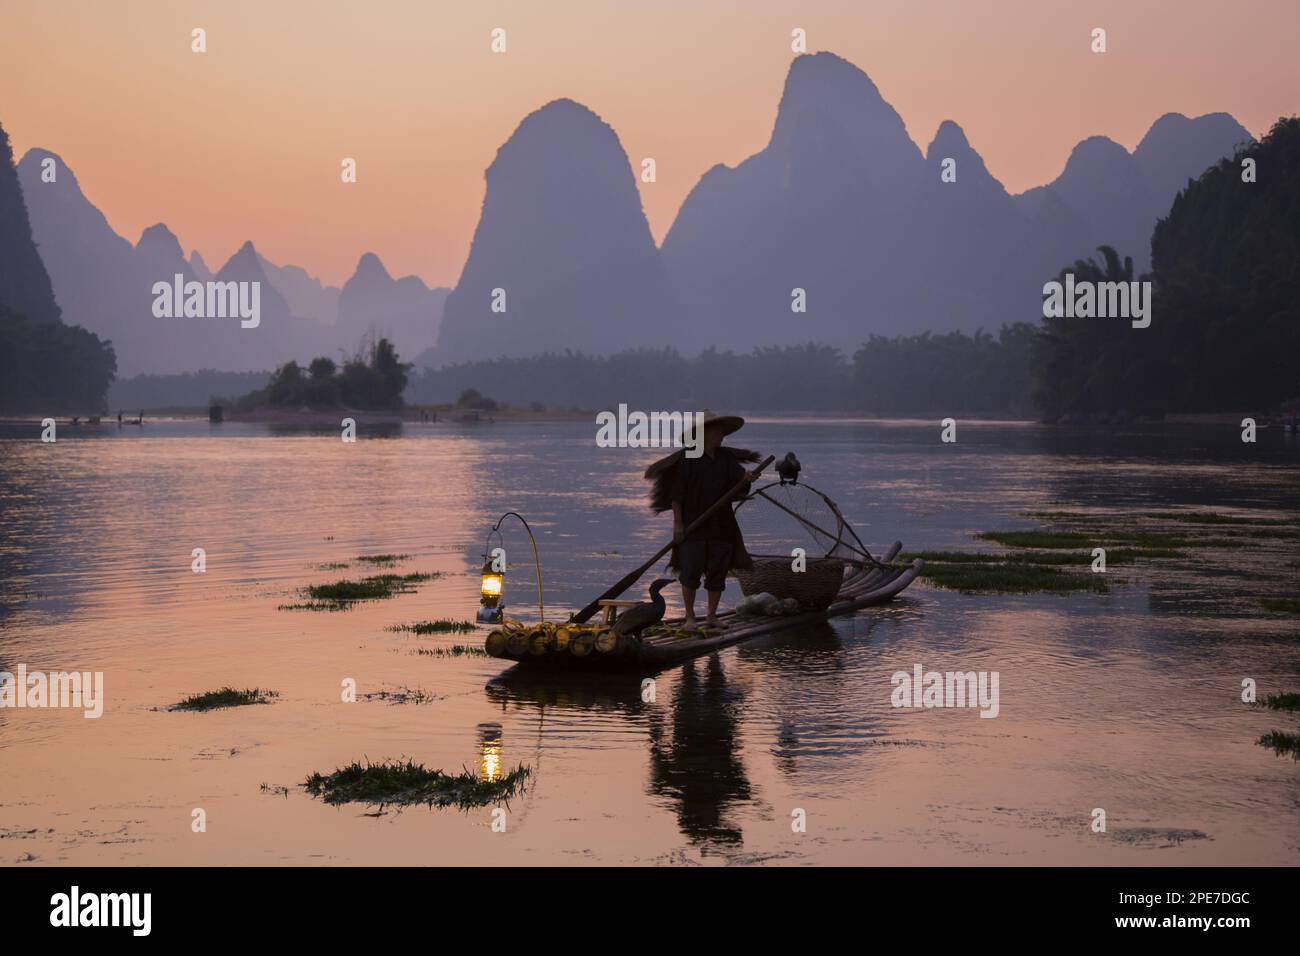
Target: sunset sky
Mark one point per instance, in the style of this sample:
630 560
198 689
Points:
245 141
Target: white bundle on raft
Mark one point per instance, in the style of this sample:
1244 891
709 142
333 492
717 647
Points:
766 605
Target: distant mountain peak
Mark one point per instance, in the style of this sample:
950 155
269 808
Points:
562 229
949 140
244 264
159 239
817 74
199 266
63 173
1096 148
560 126
831 111
370 266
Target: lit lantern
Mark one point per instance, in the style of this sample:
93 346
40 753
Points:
492 610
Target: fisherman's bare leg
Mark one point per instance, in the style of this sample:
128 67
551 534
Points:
714 597
688 598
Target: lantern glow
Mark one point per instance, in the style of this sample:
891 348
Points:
492 587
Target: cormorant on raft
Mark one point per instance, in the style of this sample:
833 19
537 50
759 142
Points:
640 616
788 469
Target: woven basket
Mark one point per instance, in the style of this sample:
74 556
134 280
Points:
814 588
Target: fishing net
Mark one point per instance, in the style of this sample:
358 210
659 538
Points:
799 514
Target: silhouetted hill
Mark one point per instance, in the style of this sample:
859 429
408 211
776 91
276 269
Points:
1117 196
562 231
199 267
810 211
404 310
46 365
159 248
24 282
306 296
93 270
1177 149
104 283
841 203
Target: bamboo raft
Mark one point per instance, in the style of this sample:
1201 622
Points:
601 649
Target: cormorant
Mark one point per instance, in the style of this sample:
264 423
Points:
640 616
788 469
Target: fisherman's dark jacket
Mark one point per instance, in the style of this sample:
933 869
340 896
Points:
697 483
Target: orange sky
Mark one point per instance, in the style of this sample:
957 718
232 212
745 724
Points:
245 141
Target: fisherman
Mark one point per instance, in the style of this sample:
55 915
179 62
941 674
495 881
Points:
689 487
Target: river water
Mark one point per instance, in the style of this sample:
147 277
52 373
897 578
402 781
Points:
1128 702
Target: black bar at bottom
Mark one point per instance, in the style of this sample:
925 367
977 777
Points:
364 907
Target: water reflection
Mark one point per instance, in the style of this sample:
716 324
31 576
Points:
695 753
1134 690
489 752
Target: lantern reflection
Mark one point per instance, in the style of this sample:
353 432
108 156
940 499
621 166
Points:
489 752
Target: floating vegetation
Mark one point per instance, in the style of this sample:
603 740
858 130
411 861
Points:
1010 578
409 784
341 595
1211 517
456 650
1281 743
1080 539
275 790
1113 556
402 695
226 697
313 606
440 626
382 558
1281 605
1288 701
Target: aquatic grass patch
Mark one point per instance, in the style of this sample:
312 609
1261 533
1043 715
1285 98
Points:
1084 540
1010 578
226 697
402 695
406 783
456 650
1113 556
1287 701
340 595
373 588
382 558
1062 540
1281 742
1214 518
1281 605
1039 539
440 626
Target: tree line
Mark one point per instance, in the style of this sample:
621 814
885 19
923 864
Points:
952 373
373 381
